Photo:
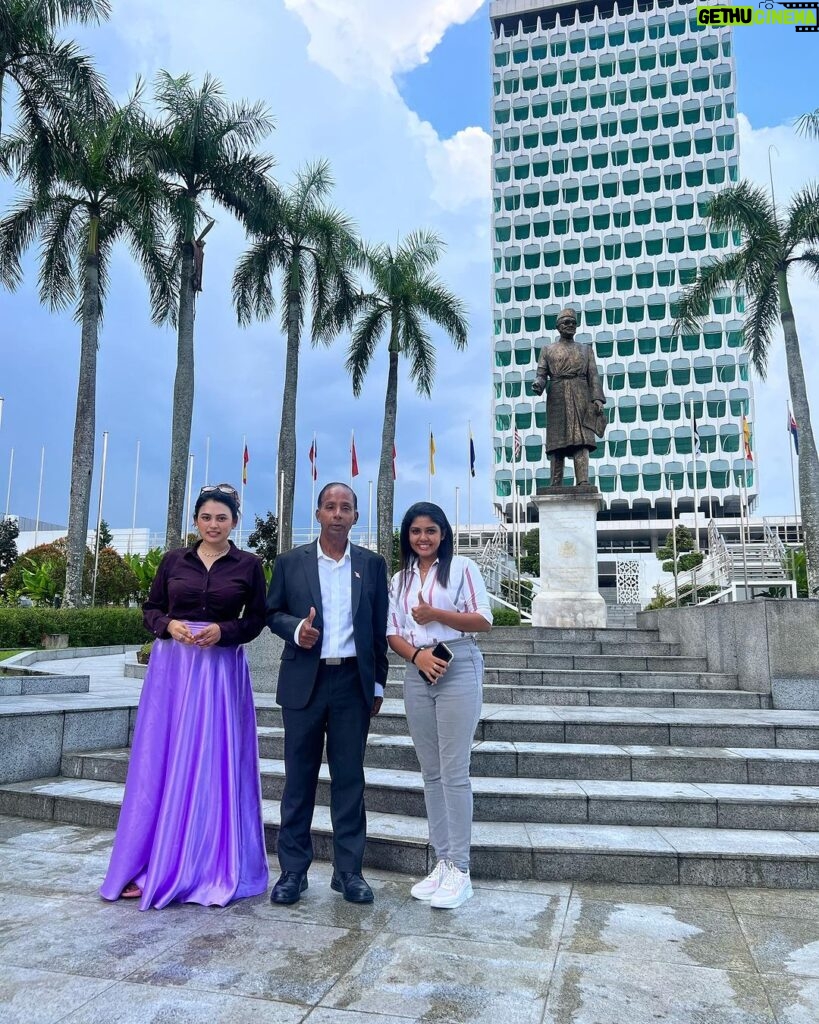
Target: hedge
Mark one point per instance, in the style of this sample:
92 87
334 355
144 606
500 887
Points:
86 627
505 617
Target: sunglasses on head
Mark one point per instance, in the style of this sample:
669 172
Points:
221 489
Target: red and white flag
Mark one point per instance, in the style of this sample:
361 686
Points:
518 445
313 458
353 458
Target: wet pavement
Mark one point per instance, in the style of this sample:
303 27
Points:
523 952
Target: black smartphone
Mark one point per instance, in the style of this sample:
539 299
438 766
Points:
439 651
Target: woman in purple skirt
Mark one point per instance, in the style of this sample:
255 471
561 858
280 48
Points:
191 827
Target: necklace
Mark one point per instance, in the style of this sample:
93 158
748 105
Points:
422 572
214 554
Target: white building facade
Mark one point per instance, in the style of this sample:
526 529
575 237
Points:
613 125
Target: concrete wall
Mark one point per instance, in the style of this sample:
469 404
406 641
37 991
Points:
263 655
773 646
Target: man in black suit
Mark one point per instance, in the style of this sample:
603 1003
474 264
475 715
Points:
328 601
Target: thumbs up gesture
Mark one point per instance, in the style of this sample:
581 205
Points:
423 612
308 634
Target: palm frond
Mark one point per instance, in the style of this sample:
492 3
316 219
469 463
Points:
761 320
418 348
253 281
808 124
744 207
730 271
443 308
802 225
364 341
60 245
810 260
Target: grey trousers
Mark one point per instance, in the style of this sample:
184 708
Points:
442 721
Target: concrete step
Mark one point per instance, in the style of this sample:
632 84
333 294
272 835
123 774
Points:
489 645
27 685
704 681
565 801
610 696
552 633
679 727
595 662
573 852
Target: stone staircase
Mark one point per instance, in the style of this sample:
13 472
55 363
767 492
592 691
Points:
600 755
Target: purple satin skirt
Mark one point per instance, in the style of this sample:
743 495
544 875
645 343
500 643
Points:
191 828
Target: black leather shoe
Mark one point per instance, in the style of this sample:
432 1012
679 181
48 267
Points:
290 886
351 886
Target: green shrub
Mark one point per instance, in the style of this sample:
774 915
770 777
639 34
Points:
506 617
86 627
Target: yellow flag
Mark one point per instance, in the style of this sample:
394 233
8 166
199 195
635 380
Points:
431 454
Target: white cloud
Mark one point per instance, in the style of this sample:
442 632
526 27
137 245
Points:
372 40
460 166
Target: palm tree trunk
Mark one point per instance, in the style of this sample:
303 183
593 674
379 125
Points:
808 461
286 482
175 530
386 484
2 83
82 455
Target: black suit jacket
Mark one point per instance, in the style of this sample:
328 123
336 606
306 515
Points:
295 587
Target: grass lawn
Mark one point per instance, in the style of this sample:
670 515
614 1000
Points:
9 654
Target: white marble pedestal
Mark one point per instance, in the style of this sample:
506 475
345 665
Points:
568 559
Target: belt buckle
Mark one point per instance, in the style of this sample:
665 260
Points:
333 661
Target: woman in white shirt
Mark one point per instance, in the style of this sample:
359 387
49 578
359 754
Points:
440 597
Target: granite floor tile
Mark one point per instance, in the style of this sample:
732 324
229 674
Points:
326 1015
51 873
656 933
97 939
29 996
794 1000
677 896
608 990
71 838
126 1003
286 960
783 945
11 827
446 982
798 903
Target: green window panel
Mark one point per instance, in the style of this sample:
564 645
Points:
688 275
627 65
601 221
551 195
541 228
503 293
503 234
665 278
630 482
614 315
682 442
638 92
578 103
502 116
540 51
550 319
690 342
685 209
700 81
562 289
696 241
512 389
679 87
744 371
718 239
645 278
520 54
503 488
568 133
531 199
551 257
560 164
511 143
568 75
726 47
659 377
548 78
571 193
672 180
496 87
582 286
676 26
659 91
652 481
540 109
636 32
610 189
708 442
512 324
502 173
642 213
627 411
616 380
622 219
534 452
681 375
722 303
588 132
668 343
529 80
636 313
712 110
496 264
726 372
522 292
598 453
531 138
668 59
532 323
559 106
599 161
729 441
617 36
596 40
639 445
581 221
531 260
682 147
617 95
520 111
740 303
674 480
577 45
676 243
703 374
623 277
639 153
549 135
625 346
637 379
740 406
522 231
523 420
649 120
591 191
704 145
688 55
540 419
716 408
606 483
497 386
661 441
722 80
591 251
633 249
610 412
580 161
730 110
503 421
631 185
604 348
691 115
527 388
502 59
522 171
571 254
511 262
654 245
496 204
588 72
560 224
617 449
661 150
663 212
594 317
656 31
497 325
647 345
719 478
602 285
511 201
674 308
612 250
628 123
671 118
702 478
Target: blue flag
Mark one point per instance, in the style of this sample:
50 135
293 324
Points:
794 432
471 455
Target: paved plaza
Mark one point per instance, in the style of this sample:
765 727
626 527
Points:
523 952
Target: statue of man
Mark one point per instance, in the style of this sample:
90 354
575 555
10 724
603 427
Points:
574 406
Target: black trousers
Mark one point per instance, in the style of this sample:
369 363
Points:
337 711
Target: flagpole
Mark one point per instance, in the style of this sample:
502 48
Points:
313 488
188 500
99 517
743 518
674 543
429 464
206 481
39 497
136 489
793 474
280 505
352 449
242 488
469 490
694 478
8 489
369 514
457 520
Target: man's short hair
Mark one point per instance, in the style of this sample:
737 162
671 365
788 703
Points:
337 483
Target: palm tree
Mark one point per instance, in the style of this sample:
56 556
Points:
808 124
773 245
405 293
97 196
49 76
314 248
202 148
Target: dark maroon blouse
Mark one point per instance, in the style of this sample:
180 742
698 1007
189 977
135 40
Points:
184 589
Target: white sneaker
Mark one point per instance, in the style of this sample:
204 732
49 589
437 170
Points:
455 889
426 889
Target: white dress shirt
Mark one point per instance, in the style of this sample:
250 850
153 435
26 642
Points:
336 582
465 592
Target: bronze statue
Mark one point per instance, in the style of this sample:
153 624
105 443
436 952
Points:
574 405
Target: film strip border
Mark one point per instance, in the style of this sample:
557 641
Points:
802 7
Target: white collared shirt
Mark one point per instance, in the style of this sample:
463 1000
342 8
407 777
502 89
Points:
465 592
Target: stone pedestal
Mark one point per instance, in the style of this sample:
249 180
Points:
568 559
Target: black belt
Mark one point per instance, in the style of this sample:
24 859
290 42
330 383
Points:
338 661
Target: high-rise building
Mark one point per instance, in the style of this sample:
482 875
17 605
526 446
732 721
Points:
613 125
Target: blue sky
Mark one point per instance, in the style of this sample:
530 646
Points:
396 96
